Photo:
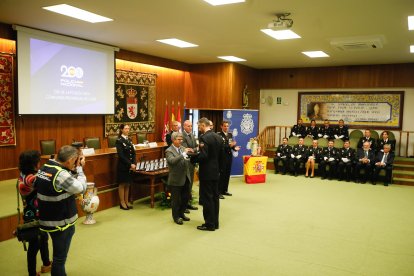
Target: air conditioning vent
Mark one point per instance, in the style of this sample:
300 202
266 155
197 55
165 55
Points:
358 44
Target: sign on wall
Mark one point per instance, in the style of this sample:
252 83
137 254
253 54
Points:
243 124
358 109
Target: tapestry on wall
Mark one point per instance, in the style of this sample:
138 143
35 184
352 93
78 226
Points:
7 129
134 102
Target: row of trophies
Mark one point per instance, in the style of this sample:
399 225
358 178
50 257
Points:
152 165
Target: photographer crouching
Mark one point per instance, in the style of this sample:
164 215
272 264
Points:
57 186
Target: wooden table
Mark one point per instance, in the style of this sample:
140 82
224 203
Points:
152 176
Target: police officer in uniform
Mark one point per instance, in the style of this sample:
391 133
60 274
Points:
126 164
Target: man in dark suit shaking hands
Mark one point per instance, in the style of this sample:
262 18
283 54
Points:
178 177
211 151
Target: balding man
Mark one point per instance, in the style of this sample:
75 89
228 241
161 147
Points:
175 127
365 160
383 161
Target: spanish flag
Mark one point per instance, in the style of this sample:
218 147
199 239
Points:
254 169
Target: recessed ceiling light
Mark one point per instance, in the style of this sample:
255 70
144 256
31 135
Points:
411 48
281 35
77 13
411 23
231 58
315 54
223 2
177 43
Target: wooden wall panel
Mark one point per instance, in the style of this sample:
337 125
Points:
364 76
243 76
210 86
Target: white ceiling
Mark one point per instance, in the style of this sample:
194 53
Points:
232 29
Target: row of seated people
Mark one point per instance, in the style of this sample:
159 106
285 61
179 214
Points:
325 131
343 163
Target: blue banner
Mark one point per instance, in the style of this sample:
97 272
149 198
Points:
244 124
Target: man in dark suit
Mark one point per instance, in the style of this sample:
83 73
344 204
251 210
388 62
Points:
298 157
298 130
341 131
346 162
383 161
364 160
209 158
282 155
229 145
189 141
178 177
325 131
367 138
175 127
329 156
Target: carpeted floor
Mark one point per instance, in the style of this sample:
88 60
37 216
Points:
288 226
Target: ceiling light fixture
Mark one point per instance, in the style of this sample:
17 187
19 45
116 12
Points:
411 23
77 13
231 58
223 2
315 54
177 43
280 28
412 49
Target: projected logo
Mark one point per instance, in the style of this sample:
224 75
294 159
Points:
71 76
132 103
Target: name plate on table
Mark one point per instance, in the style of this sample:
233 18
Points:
152 144
88 151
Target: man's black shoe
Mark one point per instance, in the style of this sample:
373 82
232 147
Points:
191 207
385 184
179 221
184 218
186 211
221 196
227 194
205 228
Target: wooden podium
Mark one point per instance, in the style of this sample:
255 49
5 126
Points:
254 169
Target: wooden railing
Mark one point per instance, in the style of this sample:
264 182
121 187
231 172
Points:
272 136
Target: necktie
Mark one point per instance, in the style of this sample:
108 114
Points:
384 158
366 154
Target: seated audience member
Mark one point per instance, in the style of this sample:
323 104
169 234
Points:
298 130
283 155
312 130
297 157
367 138
385 140
364 160
341 131
329 156
383 161
346 162
313 155
325 131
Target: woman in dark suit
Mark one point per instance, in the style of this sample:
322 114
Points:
126 164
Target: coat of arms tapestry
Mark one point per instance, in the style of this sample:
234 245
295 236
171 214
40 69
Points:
134 102
7 130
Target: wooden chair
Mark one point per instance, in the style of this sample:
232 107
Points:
47 147
353 143
307 141
141 137
293 141
356 133
112 140
322 142
338 143
374 134
92 142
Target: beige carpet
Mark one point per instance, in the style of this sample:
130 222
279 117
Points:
288 226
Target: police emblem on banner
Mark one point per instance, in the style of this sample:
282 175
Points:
247 124
132 103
